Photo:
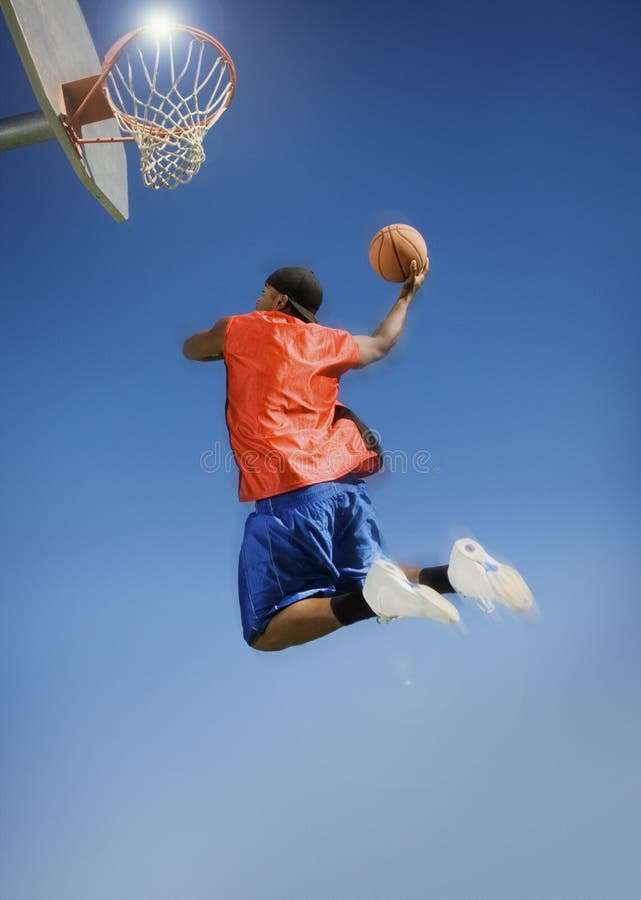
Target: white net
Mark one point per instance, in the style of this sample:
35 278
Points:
167 92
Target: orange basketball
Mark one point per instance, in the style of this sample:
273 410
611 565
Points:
392 250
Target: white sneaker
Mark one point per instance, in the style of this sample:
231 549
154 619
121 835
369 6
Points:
391 595
474 573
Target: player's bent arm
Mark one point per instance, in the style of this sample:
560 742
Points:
207 346
371 349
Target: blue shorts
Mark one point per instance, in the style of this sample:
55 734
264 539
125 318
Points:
317 541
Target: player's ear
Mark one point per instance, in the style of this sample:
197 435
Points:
281 301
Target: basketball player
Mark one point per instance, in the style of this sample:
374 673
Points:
312 555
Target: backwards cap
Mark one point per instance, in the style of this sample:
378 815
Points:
301 286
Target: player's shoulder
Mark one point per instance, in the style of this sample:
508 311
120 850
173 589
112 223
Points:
248 320
334 345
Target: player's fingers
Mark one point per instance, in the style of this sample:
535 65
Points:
411 285
410 281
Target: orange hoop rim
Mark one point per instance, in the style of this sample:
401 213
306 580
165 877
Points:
113 54
111 58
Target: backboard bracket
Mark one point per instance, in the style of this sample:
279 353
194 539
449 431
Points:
95 109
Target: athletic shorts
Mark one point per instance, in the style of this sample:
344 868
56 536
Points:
314 542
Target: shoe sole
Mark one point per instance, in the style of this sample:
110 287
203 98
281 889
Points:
474 573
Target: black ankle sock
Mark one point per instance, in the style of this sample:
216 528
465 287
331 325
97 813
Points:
436 578
350 608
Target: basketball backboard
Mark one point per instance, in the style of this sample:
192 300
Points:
55 46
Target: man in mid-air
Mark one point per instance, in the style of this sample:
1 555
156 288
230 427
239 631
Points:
312 555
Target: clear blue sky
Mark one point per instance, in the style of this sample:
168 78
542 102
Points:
146 753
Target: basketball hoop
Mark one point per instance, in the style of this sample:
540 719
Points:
165 91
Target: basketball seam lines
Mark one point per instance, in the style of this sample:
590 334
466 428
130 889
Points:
415 249
380 250
398 259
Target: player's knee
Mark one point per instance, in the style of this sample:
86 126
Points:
269 643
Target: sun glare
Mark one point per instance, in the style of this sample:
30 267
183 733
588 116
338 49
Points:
160 23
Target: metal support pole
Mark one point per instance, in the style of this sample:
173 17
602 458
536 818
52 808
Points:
28 128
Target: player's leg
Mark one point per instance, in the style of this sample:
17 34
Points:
358 554
386 594
287 577
331 539
304 621
435 577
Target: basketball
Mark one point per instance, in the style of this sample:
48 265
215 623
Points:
392 250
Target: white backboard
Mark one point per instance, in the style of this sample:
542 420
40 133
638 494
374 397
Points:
55 46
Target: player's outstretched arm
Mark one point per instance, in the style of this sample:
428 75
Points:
207 346
378 345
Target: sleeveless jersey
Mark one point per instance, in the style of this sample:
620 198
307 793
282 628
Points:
284 421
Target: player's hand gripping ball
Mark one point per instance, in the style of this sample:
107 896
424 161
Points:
392 250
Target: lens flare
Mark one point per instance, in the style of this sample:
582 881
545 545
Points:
160 24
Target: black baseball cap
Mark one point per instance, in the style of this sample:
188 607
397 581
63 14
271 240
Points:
301 286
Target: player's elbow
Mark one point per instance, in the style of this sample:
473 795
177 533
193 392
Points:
192 348
372 349
188 352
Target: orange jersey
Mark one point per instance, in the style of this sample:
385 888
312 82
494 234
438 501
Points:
282 391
